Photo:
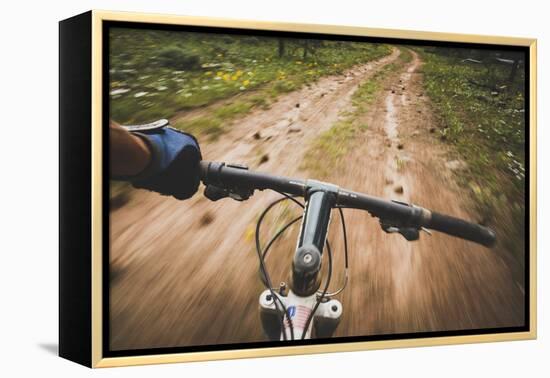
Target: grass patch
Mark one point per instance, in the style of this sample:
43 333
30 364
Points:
406 55
331 146
210 126
213 124
233 110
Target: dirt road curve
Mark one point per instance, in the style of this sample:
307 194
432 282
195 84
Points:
185 273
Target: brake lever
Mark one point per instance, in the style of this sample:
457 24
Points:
409 233
214 193
241 195
426 230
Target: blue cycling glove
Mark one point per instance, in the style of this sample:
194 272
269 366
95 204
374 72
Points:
175 157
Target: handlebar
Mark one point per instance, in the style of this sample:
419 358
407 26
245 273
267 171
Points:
239 183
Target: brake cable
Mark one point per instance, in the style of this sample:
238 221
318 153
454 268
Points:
320 298
266 280
346 276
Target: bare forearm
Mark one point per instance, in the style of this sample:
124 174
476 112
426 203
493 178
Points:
129 154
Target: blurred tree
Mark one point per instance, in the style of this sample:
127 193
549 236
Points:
281 47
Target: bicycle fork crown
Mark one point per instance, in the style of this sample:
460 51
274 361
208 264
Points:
324 322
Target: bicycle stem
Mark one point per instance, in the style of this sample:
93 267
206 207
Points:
306 265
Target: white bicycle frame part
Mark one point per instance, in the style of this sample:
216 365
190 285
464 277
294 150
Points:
299 309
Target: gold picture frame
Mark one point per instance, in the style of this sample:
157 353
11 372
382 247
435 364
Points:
95 20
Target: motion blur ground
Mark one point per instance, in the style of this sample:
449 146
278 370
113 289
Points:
184 273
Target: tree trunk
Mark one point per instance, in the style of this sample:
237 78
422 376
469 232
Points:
512 76
281 48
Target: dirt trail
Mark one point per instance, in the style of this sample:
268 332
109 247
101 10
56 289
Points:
184 273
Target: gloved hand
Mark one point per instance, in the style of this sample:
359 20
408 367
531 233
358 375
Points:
174 166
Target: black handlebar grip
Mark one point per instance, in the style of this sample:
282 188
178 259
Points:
203 169
462 229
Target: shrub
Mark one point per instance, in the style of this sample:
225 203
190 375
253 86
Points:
251 41
177 58
283 86
227 39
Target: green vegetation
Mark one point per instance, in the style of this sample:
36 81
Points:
481 106
327 150
331 146
405 57
155 74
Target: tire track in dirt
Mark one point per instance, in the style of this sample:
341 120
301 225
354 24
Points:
184 273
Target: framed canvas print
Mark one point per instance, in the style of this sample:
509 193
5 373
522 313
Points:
234 189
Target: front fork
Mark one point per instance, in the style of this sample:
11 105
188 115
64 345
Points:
324 322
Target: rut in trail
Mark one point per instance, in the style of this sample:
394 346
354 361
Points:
185 273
